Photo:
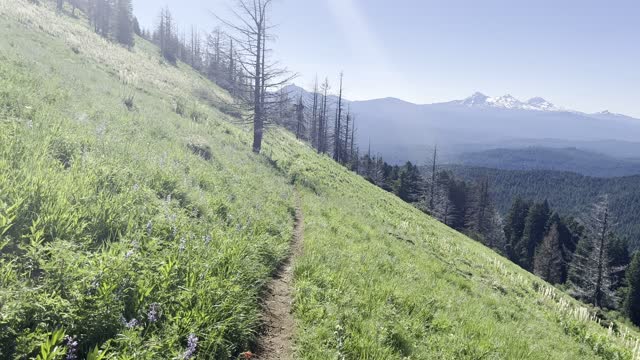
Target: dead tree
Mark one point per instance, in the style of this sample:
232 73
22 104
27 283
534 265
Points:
346 155
314 116
591 273
337 143
300 124
250 34
432 186
322 126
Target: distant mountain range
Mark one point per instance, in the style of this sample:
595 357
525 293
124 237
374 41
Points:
401 130
506 102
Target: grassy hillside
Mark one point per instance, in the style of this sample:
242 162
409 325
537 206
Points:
156 210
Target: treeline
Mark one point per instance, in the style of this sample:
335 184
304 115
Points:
584 255
322 119
112 19
569 193
464 206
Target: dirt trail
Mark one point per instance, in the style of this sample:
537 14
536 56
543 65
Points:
276 342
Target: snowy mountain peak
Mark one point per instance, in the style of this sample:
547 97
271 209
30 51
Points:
507 102
476 99
542 104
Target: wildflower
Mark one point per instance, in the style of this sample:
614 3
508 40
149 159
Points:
154 312
136 187
207 239
192 345
131 323
129 254
183 244
247 355
72 347
149 228
169 198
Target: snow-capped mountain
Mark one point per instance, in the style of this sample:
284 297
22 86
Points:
402 131
507 102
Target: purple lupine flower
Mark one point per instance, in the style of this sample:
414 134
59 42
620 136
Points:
129 324
72 347
192 346
154 312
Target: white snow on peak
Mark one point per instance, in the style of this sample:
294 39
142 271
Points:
475 100
508 102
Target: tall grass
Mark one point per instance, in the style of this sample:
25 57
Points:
135 221
380 280
112 229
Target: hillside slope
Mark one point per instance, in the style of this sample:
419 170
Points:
126 193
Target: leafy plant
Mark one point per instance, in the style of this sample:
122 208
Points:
52 348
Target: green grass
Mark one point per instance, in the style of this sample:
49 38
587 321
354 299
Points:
103 198
106 211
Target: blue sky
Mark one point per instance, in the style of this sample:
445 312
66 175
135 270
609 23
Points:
579 54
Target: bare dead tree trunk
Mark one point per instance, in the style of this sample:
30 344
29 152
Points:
299 118
432 187
314 116
251 36
353 136
338 128
345 148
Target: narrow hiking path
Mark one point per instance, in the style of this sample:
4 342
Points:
276 341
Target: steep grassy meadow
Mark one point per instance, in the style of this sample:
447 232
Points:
112 214
127 194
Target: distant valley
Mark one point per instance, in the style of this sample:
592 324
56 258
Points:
401 131
557 159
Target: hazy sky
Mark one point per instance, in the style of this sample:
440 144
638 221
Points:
579 54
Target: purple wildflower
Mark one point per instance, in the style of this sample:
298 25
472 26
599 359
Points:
154 312
130 324
192 345
72 347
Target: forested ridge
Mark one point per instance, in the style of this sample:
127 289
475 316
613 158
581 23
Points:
569 193
556 159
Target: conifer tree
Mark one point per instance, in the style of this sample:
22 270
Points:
124 23
534 231
136 27
549 263
632 298
409 183
514 227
